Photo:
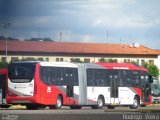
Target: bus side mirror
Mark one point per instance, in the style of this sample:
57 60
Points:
150 79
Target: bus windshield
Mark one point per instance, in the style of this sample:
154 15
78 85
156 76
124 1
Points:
21 72
155 88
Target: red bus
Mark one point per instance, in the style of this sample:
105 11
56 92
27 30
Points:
3 81
56 84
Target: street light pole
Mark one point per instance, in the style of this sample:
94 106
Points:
6 25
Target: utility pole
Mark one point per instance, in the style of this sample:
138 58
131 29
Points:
60 37
107 35
6 25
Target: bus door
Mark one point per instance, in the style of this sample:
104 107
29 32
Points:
70 85
145 88
2 88
113 77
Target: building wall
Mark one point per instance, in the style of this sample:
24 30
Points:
157 62
120 59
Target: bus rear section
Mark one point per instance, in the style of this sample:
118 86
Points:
21 83
41 84
3 85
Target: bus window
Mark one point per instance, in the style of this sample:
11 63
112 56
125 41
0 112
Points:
59 76
97 77
127 81
144 78
136 78
21 73
90 77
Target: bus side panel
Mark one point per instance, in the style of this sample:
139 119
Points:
47 94
94 92
126 95
139 93
44 94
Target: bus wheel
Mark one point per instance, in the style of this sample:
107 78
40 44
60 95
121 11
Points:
31 107
100 103
59 102
75 107
135 104
5 106
143 105
110 107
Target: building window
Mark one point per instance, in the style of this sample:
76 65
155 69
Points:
86 60
102 60
47 59
127 60
151 62
142 62
4 59
76 60
99 60
137 61
14 59
40 59
72 59
57 59
61 59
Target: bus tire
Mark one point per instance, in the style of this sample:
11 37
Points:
5 106
135 104
31 107
100 103
59 102
143 105
110 107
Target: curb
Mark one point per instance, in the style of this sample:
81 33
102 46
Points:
17 106
154 105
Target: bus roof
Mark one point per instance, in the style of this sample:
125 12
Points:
59 64
126 66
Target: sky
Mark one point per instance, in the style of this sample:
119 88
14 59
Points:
89 21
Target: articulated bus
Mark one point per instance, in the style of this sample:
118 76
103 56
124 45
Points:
56 84
3 84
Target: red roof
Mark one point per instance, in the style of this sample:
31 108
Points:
158 51
72 47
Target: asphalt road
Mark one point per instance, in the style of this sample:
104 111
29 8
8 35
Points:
86 113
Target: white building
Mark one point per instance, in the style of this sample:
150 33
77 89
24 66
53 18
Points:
85 52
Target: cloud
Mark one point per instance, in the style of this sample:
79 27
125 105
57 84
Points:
69 36
131 21
84 20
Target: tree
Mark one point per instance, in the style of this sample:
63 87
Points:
110 60
77 60
3 64
40 39
153 69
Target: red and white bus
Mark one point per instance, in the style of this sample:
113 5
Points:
3 81
54 84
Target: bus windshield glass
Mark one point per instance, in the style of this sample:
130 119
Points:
155 88
21 72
